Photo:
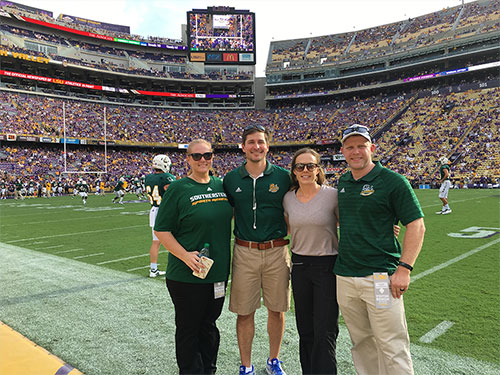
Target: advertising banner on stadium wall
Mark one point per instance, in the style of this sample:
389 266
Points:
214 57
246 57
11 137
197 56
50 80
24 138
72 141
332 170
48 140
24 56
230 57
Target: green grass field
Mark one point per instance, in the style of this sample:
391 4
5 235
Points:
74 280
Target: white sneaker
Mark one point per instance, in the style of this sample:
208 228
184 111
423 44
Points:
440 212
154 273
448 211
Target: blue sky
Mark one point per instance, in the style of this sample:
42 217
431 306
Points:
275 19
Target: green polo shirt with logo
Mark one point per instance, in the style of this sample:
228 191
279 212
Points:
196 214
258 204
368 209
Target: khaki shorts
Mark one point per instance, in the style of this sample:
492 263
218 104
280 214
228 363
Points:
255 270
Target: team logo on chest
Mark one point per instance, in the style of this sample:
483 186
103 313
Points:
273 188
367 190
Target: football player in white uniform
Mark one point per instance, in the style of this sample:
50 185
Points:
156 184
444 173
3 189
138 188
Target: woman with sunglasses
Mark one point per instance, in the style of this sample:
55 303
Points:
311 213
195 211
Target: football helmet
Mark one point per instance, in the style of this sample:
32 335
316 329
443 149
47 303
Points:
162 162
444 160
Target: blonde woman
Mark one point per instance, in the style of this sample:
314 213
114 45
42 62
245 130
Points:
195 211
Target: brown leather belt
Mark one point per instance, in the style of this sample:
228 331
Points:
262 245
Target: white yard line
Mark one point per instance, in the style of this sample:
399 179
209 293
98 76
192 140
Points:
127 258
139 268
88 255
452 202
454 260
49 247
57 221
68 251
74 234
437 331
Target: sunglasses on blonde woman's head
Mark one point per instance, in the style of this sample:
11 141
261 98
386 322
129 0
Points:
299 167
197 156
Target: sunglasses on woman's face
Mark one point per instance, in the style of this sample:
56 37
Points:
197 156
299 167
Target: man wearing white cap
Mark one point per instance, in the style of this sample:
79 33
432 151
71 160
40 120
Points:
372 268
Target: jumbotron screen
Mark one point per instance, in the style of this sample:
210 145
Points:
221 35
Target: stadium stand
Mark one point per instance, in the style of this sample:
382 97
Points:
427 87
434 28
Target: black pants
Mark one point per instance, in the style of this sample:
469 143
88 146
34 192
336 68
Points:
196 335
316 312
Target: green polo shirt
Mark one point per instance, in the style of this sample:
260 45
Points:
195 214
368 209
258 204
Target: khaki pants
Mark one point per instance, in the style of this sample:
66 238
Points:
381 345
256 271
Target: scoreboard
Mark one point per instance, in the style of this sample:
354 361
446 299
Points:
221 35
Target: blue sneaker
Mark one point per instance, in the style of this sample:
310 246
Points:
273 367
243 368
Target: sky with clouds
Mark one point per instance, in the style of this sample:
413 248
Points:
275 19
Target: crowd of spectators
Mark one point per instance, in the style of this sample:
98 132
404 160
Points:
461 125
429 29
42 116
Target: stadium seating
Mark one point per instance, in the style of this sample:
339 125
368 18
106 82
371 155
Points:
446 24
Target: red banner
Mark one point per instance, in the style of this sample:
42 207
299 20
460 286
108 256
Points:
50 80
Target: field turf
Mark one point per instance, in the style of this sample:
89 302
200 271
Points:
74 280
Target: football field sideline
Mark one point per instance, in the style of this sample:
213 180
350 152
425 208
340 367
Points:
100 320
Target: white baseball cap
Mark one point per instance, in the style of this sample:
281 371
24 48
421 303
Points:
356 129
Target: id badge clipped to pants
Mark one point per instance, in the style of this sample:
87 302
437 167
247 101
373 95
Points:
382 289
